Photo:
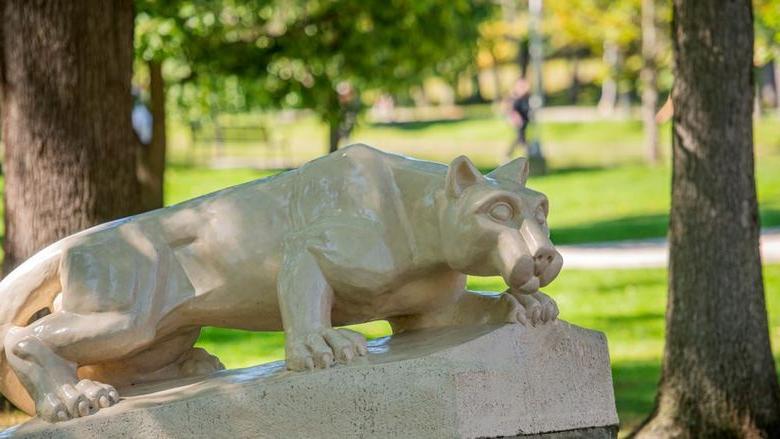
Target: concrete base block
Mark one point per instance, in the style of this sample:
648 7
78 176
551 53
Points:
491 381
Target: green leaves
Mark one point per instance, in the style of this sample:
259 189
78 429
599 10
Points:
295 53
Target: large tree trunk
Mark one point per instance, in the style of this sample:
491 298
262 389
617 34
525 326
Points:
649 82
70 152
151 168
718 375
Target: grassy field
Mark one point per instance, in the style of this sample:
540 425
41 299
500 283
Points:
586 204
484 138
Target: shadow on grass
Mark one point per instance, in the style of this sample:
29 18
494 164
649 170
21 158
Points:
635 386
418 125
555 171
632 319
631 228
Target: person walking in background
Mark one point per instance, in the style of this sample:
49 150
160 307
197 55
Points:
142 118
518 109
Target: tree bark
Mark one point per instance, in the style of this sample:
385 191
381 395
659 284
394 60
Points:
649 82
718 376
151 170
70 152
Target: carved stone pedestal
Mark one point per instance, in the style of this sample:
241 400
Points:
505 381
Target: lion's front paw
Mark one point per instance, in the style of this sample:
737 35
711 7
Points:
535 308
74 401
319 349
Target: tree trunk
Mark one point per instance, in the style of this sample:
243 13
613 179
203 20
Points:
476 89
649 82
334 134
151 169
523 57
609 87
574 85
777 81
495 69
70 152
219 137
718 375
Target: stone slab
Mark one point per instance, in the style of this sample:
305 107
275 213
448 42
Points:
489 381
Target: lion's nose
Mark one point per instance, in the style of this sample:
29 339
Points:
543 258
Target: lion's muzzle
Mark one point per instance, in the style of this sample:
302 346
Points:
528 258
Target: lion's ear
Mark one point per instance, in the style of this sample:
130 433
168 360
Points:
516 170
461 174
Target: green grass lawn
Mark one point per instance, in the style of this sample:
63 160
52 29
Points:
586 204
484 139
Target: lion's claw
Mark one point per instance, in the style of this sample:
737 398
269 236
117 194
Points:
73 401
535 308
321 349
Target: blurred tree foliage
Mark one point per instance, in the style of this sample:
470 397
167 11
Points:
240 54
767 29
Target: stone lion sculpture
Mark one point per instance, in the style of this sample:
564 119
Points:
355 236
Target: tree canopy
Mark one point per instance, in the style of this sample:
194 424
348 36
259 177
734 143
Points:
296 53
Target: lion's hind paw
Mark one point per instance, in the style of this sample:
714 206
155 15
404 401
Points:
74 401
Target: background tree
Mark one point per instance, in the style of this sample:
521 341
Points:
70 153
718 376
767 46
649 77
300 52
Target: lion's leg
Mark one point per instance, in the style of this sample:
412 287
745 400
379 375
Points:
305 301
471 308
45 356
170 358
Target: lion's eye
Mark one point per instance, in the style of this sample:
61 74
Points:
541 218
501 212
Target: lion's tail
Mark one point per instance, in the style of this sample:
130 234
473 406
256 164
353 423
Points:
26 293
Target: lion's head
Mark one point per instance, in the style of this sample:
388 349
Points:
494 225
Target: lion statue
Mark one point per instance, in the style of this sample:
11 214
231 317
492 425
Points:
355 236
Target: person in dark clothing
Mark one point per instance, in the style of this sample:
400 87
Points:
519 113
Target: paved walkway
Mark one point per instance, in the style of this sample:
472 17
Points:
650 253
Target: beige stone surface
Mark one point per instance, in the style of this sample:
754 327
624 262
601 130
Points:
463 382
355 236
